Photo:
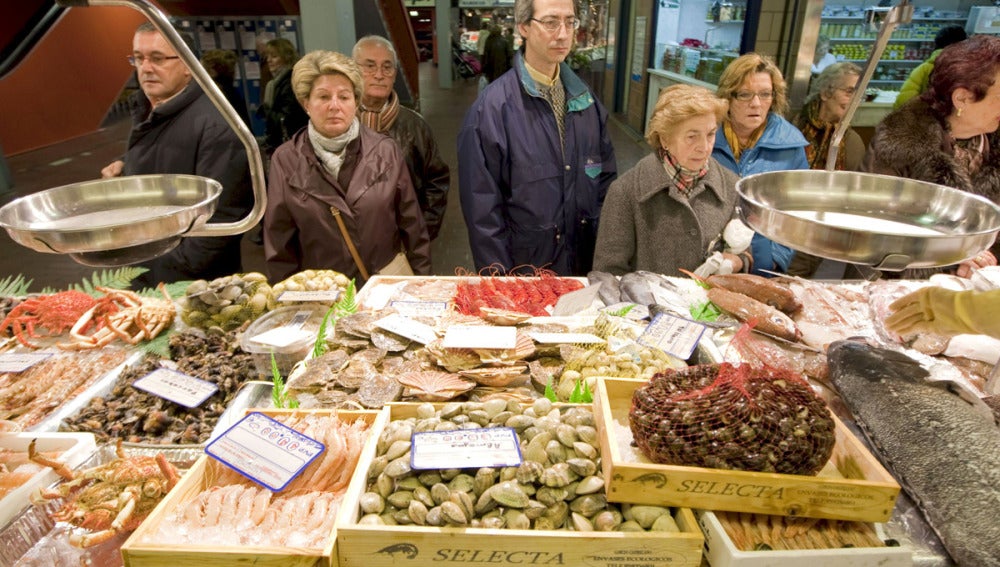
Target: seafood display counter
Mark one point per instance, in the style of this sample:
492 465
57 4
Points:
555 362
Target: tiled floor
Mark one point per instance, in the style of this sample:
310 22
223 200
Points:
82 158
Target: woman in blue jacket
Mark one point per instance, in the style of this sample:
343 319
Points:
754 138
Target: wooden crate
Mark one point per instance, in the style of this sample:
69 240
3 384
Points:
722 552
853 485
378 546
142 554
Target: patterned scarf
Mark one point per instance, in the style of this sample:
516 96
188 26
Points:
970 153
820 134
734 140
683 178
330 151
380 120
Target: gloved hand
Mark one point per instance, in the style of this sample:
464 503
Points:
944 311
715 264
737 236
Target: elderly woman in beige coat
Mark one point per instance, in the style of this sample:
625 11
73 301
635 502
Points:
670 210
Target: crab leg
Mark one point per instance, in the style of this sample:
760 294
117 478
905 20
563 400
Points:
60 468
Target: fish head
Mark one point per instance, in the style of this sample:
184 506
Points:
858 358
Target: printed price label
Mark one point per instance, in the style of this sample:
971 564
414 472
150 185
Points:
177 387
413 330
566 338
465 448
672 335
420 308
265 451
479 336
15 362
325 296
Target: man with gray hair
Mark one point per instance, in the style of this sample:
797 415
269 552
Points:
534 154
380 110
177 130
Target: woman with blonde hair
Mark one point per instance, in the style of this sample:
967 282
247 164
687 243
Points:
756 139
670 210
335 176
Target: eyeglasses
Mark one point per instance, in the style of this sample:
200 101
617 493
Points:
747 96
848 90
553 24
156 59
369 68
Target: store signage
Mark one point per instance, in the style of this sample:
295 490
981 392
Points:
673 335
15 362
177 387
420 308
465 448
479 336
406 327
264 450
287 334
484 3
324 296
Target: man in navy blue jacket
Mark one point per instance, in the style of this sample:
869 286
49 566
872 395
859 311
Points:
534 155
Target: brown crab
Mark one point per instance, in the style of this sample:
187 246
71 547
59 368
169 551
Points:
109 498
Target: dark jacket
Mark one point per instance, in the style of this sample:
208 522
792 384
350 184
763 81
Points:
496 56
647 225
429 173
188 135
525 201
285 116
373 194
780 147
913 142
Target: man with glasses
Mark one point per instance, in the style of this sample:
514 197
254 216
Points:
177 130
534 155
380 110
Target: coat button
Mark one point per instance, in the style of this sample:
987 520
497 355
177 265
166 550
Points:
567 168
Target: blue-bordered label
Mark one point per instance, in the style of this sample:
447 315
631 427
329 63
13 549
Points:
177 387
264 450
673 335
465 448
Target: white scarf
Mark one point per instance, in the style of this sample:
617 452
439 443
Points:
330 151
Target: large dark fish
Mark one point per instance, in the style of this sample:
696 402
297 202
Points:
944 451
609 292
636 288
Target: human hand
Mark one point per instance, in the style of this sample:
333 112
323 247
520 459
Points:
717 263
737 236
982 260
907 313
113 169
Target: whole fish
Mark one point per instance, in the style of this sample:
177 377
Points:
762 289
768 319
942 449
636 288
609 292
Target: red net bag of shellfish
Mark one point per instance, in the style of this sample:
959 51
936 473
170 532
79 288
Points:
751 418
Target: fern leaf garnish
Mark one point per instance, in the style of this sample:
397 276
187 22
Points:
345 305
14 286
278 395
550 392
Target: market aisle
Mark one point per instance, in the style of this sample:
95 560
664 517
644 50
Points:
82 158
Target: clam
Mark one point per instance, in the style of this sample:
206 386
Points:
551 496
558 475
556 451
493 407
606 521
452 513
397 449
410 483
400 499
440 493
485 478
516 520
398 467
462 483
371 520
384 485
464 500
566 434
417 512
629 526
585 450
509 494
590 485
665 523
434 517
493 522
581 523
535 509
423 495
645 516
589 504
529 472
582 467
545 523
372 503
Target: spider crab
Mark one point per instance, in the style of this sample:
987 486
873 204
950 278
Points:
141 318
55 313
109 498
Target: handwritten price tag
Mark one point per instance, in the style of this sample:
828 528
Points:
325 296
672 335
465 448
420 308
265 451
177 387
406 327
15 362
479 336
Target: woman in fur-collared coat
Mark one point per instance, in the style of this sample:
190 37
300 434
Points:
949 135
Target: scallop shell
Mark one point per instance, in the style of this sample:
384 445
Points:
453 359
495 377
390 342
435 386
358 324
379 390
524 346
503 316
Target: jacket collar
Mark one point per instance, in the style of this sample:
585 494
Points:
578 97
652 170
366 172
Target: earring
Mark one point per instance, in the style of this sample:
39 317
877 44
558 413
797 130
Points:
958 112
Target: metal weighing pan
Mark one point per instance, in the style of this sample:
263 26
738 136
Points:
887 222
112 221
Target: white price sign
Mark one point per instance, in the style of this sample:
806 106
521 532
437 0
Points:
15 362
673 335
465 448
177 387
